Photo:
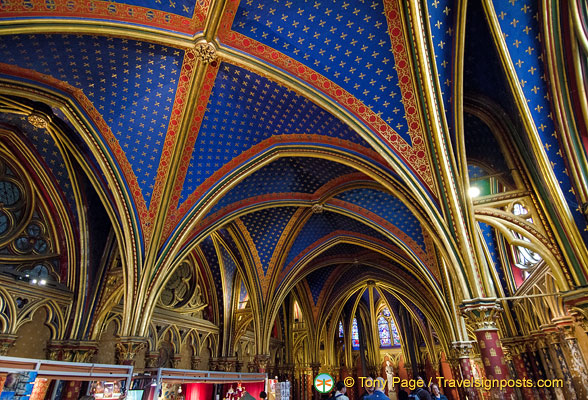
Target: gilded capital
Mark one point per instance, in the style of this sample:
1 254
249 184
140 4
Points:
261 361
481 314
6 342
461 349
127 349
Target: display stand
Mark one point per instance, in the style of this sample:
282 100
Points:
159 379
44 370
277 390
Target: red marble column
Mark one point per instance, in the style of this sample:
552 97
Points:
462 351
453 373
493 357
519 365
481 315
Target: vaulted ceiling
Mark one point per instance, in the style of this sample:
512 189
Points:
287 141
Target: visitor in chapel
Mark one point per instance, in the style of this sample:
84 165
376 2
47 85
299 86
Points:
368 388
378 390
340 392
436 393
420 392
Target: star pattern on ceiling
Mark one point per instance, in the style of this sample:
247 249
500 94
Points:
132 84
442 26
329 45
319 226
389 208
265 228
316 281
519 22
244 109
181 15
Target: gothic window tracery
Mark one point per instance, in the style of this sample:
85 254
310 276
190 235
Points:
388 332
182 292
384 330
24 229
523 258
354 335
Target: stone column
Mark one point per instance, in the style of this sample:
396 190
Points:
315 367
6 342
408 368
550 371
556 353
516 349
511 369
537 367
481 314
462 352
576 364
195 362
455 374
289 372
127 349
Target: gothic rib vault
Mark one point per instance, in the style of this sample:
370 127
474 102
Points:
196 171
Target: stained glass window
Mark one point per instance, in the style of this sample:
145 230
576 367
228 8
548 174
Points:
386 312
340 329
384 330
354 335
395 335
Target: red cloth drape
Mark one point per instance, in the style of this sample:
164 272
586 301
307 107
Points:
253 388
198 391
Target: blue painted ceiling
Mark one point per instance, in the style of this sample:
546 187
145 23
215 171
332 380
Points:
283 176
442 25
489 238
180 7
388 207
132 84
482 146
244 109
475 172
50 155
342 250
265 228
316 281
347 42
519 23
321 225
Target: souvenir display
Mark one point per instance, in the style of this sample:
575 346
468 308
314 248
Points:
18 386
